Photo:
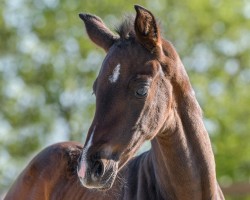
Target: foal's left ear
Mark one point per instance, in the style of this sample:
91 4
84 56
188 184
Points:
98 32
147 30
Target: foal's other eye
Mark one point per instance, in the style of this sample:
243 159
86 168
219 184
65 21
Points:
141 92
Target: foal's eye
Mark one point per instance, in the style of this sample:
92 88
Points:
141 92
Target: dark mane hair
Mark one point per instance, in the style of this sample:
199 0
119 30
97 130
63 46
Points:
126 29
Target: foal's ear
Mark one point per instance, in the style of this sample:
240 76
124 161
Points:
98 32
147 30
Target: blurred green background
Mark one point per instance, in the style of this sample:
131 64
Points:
48 64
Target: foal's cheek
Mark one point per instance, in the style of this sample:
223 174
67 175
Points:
159 112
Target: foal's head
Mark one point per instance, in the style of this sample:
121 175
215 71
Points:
134 94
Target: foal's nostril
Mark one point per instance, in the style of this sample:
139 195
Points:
98 169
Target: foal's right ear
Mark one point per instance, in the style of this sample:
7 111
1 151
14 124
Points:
98 32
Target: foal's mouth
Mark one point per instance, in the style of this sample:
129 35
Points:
107 183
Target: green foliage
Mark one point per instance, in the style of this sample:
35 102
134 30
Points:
48 65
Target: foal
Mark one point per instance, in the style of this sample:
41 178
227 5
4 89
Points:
142 93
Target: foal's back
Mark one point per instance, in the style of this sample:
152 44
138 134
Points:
51 175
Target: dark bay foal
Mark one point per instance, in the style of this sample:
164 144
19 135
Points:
142 93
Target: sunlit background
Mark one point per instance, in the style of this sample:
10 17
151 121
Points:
48 64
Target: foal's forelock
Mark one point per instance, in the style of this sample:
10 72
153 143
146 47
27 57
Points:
126 29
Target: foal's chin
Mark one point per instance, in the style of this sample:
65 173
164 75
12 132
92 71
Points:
103 184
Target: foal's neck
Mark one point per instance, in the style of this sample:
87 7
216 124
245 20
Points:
182 153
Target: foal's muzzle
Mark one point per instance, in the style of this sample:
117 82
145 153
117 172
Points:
97 173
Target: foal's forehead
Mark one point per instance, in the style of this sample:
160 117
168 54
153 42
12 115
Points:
126 52
124 58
